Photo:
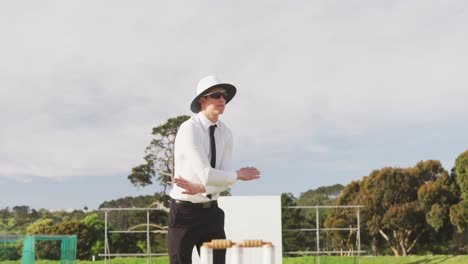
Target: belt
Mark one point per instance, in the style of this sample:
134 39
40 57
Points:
197 205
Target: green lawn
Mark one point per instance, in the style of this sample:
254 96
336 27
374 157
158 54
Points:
438 259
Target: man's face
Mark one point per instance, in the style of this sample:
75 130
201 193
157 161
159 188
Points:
213 102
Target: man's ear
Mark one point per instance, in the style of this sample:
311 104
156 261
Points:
202 100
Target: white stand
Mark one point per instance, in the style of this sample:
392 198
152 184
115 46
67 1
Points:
236 255
206 255
268 254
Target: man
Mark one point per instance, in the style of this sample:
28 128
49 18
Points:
202 158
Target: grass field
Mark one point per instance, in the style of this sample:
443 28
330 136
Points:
438 259
441 259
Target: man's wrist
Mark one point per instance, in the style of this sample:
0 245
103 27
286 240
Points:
202 188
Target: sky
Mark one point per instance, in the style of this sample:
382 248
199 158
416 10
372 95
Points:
327 90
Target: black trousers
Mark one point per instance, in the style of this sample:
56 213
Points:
190 226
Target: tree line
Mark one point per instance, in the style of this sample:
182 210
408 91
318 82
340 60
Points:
88 225
417 210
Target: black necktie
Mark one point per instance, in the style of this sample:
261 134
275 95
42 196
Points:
213 150
213 146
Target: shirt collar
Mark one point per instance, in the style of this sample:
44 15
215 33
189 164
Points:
206 123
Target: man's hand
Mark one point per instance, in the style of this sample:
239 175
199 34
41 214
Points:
248 174
189 187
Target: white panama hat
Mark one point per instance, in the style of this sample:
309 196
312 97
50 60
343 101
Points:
207 83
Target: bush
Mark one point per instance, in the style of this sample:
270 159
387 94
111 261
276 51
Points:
9 253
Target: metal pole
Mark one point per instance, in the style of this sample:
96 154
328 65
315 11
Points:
359 236
148 247
106 243
317 224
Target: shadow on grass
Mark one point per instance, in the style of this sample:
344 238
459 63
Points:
436 260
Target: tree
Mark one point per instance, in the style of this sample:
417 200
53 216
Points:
21 214
403 205
343 218
459 212
325 195
9 253
159 156
141 201
96 229
459 218
320 196
461 171
45 249
436 198
126 220
291 219
387 196
81 230
41 227
8 226
4 214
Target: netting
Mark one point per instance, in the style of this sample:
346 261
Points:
28 250
10 246
4 238
67 248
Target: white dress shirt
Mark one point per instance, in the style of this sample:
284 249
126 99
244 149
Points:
192 156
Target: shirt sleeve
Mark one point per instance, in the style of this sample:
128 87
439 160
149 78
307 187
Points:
200 163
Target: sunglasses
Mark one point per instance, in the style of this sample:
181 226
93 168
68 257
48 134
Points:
217 95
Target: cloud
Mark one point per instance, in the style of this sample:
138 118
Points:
82 87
